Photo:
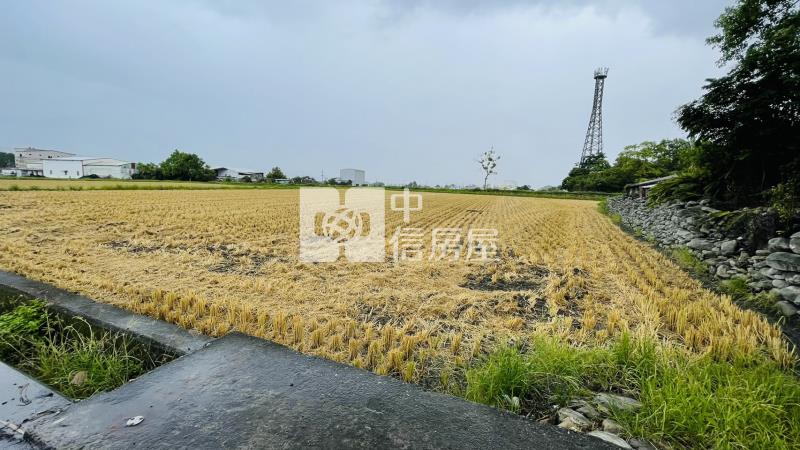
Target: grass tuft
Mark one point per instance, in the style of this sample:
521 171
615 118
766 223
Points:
737 288
76 362
688 261
106 360
688 401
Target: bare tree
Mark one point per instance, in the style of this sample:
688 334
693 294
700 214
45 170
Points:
488 162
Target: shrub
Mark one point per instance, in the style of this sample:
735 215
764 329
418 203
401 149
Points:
785 199
19 326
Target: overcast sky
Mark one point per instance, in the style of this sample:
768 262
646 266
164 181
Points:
405 89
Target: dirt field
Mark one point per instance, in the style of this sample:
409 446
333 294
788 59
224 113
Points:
219 260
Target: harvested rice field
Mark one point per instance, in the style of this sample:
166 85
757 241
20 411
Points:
223 260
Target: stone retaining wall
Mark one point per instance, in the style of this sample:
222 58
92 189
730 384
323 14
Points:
742 249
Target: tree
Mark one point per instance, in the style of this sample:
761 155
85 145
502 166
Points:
635 163
303 180
276 174
488 161
187 167
6 159
748 121
148 171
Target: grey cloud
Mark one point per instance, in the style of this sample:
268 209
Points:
406 92
690 17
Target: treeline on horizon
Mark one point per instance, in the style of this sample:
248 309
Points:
182 166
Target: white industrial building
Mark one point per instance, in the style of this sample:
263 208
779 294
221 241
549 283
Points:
84 166
28 161
355 176
35 162
237 174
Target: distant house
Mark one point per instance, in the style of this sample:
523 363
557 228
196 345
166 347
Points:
642 189
86 166
224 173
28 161
355 176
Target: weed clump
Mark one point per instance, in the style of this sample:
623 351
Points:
688 261
73 359
737 288
687 400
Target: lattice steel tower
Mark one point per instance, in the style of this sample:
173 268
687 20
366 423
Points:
594 134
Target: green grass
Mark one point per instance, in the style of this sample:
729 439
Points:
106 360
602 207
739 291
545 374
513 193
55 353
688 261
687 401
737 288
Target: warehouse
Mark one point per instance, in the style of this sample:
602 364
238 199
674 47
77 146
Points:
28 161
355 176
87 166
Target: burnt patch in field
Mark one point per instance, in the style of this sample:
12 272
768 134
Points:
532 310
241 262
507 276
128 246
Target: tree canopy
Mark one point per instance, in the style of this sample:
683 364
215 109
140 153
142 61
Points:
635 163
276 174
6 159
748 121
178 166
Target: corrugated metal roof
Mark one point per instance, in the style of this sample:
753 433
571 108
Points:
74 158
648 182
91 160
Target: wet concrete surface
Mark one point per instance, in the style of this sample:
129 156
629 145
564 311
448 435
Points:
162 335
24 401
244 392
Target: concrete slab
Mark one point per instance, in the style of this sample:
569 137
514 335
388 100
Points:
243 392
163 335
23 401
